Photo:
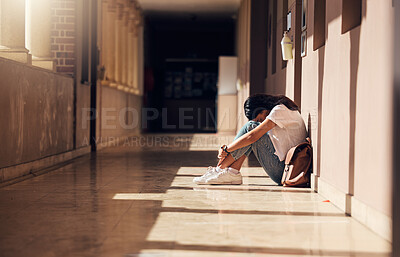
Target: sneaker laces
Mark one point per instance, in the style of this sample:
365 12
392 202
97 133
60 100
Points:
210 170
224 171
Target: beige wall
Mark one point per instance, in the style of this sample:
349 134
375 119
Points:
372 165
346 103
347 85
283 81
312 82
335 109
243 54
227 114
36 113
117 110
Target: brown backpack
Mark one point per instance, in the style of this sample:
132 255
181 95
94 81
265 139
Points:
297 165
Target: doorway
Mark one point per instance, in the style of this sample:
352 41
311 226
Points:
181 59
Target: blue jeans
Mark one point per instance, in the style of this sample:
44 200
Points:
264 151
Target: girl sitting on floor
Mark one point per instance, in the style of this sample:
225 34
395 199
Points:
275 125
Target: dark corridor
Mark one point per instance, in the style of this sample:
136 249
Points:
181 72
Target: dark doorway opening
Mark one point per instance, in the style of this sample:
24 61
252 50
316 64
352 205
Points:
181 59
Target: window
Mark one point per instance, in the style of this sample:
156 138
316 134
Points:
303 38
304 15
351 14
319 23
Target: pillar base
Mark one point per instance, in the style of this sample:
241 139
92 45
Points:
105 83
113 84
134 91
120 87
19 55
47 64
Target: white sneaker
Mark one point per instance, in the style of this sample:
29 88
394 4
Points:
211 171
225 178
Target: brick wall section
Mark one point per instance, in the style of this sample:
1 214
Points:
63 35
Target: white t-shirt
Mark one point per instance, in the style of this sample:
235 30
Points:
289 131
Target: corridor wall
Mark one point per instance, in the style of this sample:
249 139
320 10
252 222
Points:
346 101
243 54
46 116
36 128
345 97
120 86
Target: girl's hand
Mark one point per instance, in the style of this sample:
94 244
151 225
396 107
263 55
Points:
222 154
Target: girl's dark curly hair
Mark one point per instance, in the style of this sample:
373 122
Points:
257 103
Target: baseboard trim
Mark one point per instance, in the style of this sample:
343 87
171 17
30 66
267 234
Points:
373 219
333 194
17 173
20 172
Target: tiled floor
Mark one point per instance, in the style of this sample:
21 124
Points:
128 202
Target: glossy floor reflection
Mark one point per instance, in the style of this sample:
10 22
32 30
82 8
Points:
142 203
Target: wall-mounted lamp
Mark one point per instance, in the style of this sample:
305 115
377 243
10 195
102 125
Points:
287 46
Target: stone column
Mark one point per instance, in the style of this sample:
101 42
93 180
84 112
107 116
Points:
135 58
104 34
12 40
39 33
396 136
111 39
124 54
131 49
140 62
137 53
119 45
